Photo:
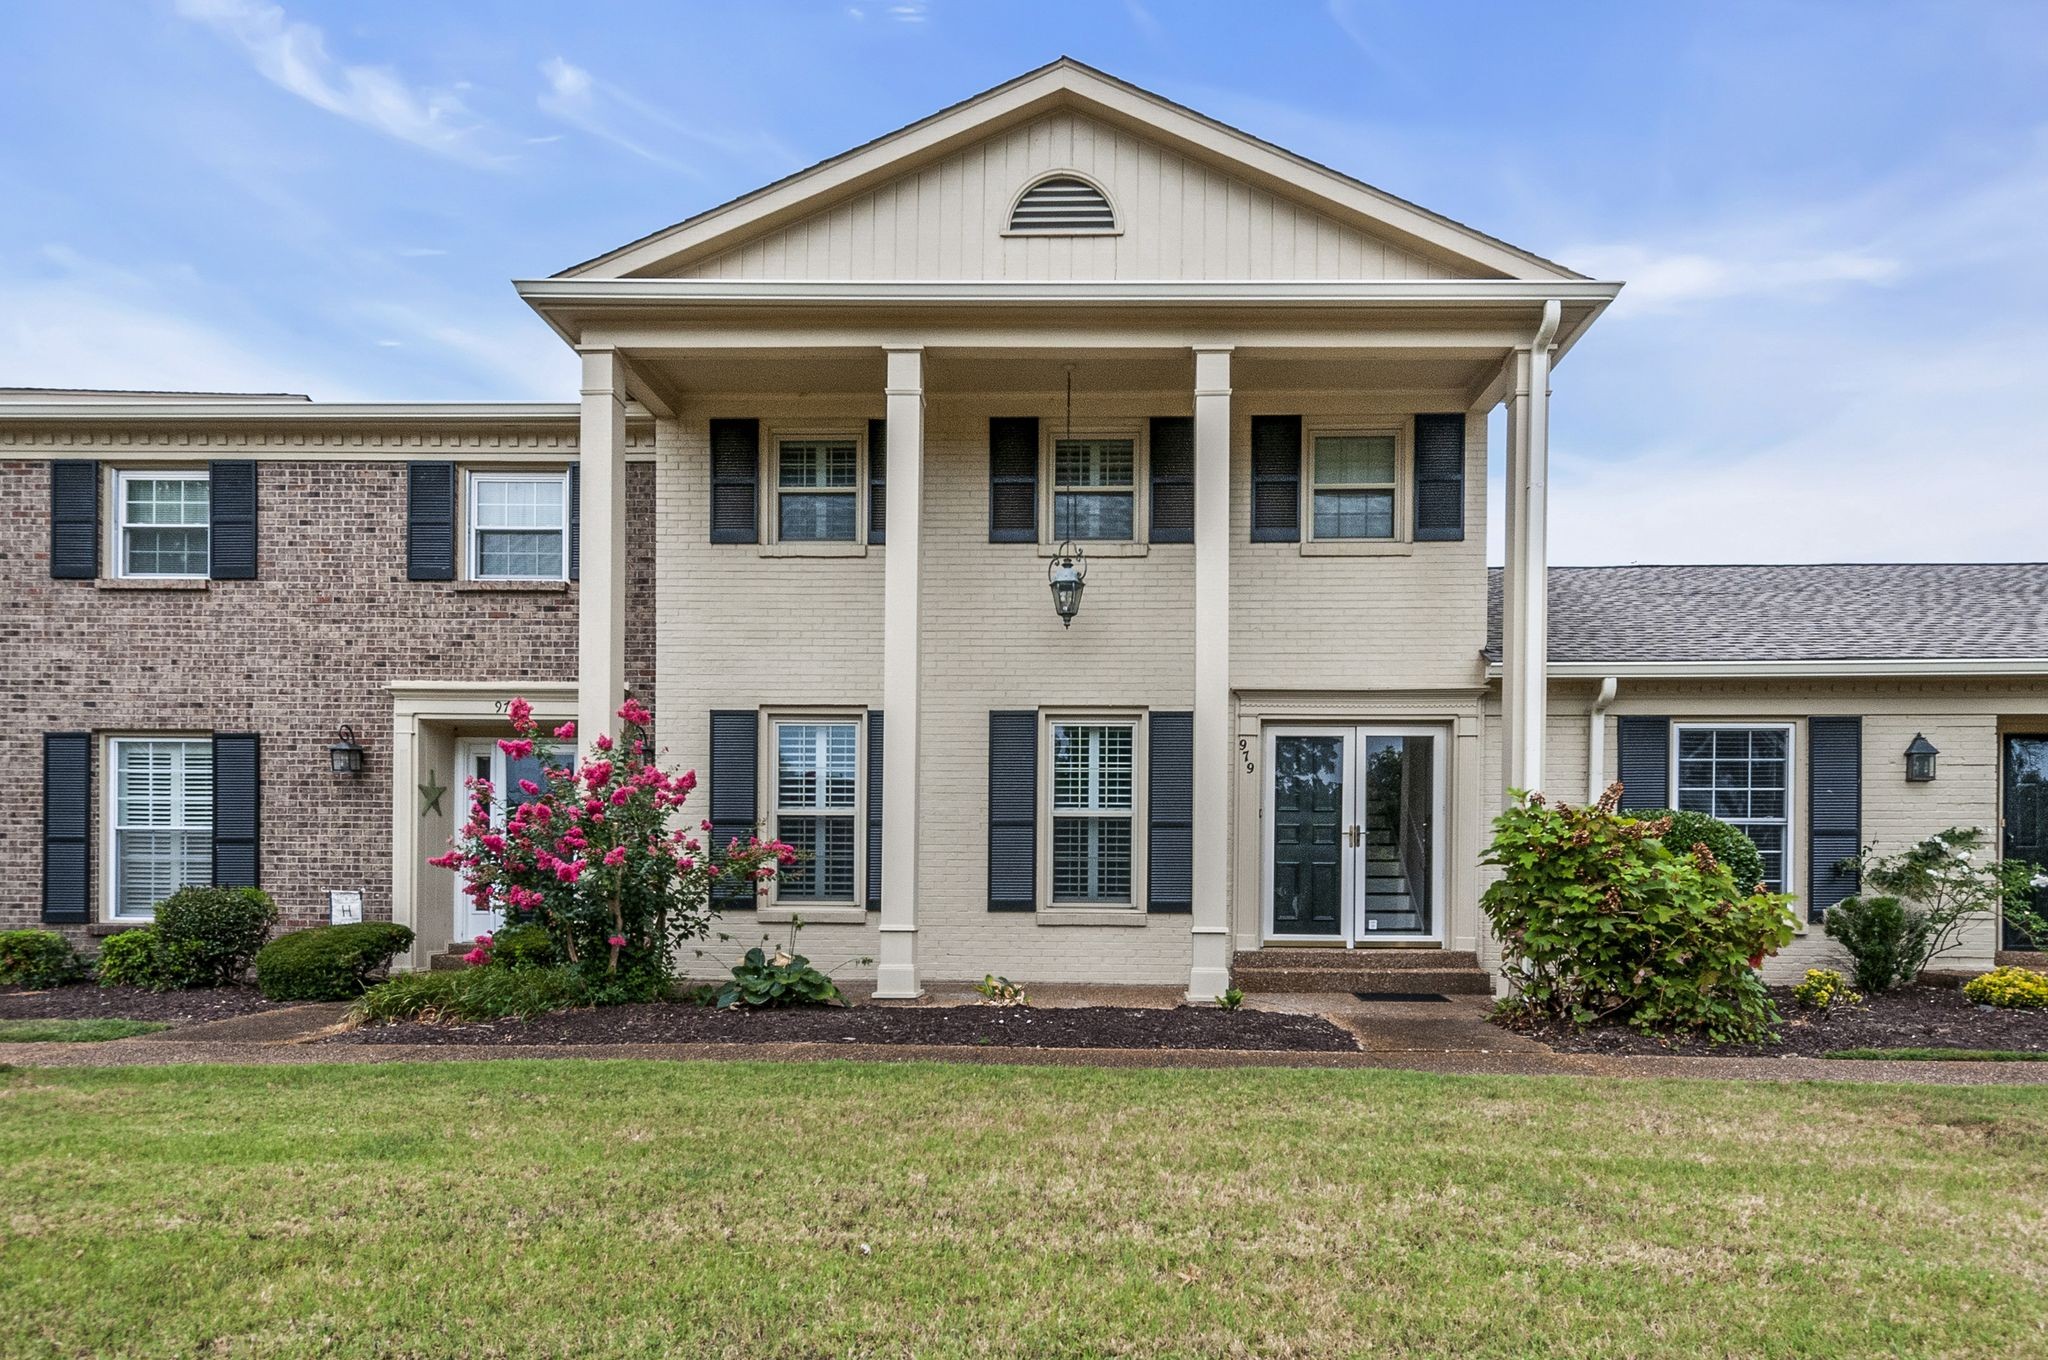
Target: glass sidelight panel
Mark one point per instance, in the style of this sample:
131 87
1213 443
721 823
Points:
2026 819
1308 824
1399 833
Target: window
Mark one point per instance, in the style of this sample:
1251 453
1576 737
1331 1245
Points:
1354 486
1094 487
817 778
1093 785
161 523
518 526
816 485
162 823
1741 775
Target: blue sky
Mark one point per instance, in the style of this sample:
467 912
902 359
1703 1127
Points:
1832 218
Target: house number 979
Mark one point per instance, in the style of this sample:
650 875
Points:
1244 751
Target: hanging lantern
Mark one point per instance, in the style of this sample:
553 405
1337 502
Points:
345 756
1068 573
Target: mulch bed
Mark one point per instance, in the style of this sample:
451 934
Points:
983 1026
85 1001
1909 1017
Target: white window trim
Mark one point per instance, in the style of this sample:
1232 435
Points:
117 521
769 478
1794 855
110 809
471 479
1132 912
815 912
1051 432
1402 543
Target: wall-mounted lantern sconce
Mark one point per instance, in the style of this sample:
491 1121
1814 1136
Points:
345 756
1920 760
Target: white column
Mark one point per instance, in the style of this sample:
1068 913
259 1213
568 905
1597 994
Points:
1209 972
601 592
902 678
1514 515
1525 680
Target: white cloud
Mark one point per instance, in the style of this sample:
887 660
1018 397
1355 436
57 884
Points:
617 115
909 12
1663 279
293 55
515 363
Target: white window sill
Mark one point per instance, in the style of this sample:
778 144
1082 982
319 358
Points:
152 583
512 587
813 916
1091 547
1090 916
814 550
1355 547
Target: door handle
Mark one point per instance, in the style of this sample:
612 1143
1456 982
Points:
1354 834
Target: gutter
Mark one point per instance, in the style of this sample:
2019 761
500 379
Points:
1256 293
1596 739
1947 668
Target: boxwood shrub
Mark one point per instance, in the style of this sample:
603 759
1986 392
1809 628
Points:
224 928
144 958
328 963
36 959
1736 851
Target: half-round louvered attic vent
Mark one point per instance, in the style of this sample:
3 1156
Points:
1062 204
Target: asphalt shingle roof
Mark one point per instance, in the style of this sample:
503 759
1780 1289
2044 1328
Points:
1852 612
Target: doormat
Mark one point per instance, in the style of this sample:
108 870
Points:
1400 996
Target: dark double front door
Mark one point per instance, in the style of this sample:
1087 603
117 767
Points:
2026 818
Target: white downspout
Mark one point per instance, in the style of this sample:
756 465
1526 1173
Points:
1596 740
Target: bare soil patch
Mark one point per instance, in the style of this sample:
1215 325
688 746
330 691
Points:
86 1001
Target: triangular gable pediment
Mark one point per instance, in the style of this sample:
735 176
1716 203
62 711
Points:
1193 199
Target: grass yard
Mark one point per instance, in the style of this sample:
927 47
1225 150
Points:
644 1209
74 1031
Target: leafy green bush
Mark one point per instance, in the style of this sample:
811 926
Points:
1598 920
327 963
1736 851
1823 989
224 927
144 958
2013 987
778 979
1887 942
465 994
36 959
528 946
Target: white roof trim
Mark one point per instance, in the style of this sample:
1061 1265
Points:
113 415
1892 668
1263 293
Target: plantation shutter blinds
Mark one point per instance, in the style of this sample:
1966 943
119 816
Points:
74 519
735 479
1013 810
878 480
874 810
67 827
430 521
1834 809
1170 806
237 809
575 521
1643 761
1276 479
231 526
1013 479
735 790
1439 478
1173 479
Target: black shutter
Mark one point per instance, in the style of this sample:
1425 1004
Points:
1643 761
735 790
231 510
575 521
1170 807
237 810
1439 478
878 480
430 521
1013 811
735 475
1173 479
874 809
67 827
74 520
1276 479
1834 770
1013 479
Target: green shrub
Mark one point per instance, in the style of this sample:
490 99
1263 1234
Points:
1736 851
327 963
2014 987
1887 941
1599 920
36 959
465 994
527 946
144 958
778 979
1823 989
224 926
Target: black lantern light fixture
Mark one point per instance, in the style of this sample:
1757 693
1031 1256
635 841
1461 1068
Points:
345 756
1067 574
1920 754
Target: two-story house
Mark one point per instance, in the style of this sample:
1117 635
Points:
1064 518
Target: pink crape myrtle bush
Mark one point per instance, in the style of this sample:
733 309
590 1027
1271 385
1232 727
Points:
600 857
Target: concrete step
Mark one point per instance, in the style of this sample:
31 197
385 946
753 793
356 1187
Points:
449 959
1448 972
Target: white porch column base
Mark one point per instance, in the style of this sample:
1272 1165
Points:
902 680
601 592
1209 967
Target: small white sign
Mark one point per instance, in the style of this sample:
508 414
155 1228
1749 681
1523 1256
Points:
344 908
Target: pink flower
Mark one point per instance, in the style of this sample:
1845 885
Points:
569 870
484 940
614 857
521 713
621 797
566 732
604 741
631 711
529 788
597 773
617 942
518 749
451 860
476 958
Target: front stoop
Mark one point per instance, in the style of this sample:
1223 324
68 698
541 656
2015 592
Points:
1443 972
449 959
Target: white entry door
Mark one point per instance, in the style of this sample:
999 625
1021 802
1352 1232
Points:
480 758
1354 833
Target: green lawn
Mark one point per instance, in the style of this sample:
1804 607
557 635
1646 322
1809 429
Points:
74 1031
1940 1054
648 1209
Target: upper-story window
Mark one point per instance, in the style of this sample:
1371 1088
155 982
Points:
1063 205
1354 483
160 523
1094 488
817 484
518 526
